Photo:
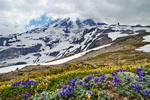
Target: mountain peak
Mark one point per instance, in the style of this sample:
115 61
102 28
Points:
89 22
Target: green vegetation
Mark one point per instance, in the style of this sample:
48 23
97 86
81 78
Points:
50 80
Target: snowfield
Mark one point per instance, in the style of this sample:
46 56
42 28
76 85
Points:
115 35
59 39
11 68
145 48
60 61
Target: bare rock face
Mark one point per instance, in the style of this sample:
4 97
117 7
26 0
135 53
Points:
11 53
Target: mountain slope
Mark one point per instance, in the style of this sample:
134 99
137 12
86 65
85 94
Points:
59 39
121 54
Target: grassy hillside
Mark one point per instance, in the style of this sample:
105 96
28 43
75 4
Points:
39 82
122 51
55 78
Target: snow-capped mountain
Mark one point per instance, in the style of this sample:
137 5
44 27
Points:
59 39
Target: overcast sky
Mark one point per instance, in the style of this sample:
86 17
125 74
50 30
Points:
21 15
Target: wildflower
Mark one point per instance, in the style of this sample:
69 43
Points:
77 78
70 88
128 79
26 95
95 73
114 74
44 95
62 93
121 70
37 82
68 93
117 81
64 87
88 78
28 82
25 83
25 86
102 77
96 80
147 93
79 83
91 93
72 82
86 85
141 74
136 87
16 83
141 79
145 66
138 69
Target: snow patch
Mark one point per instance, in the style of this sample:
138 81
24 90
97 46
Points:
145 48
146 38
115 35
72 57
13 68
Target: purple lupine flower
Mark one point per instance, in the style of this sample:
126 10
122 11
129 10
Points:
77 78
117 80
136 87
68 93
37 82
64 87
128 79
141 74
16 83
121 70
72 82
95 73
147 93
86 85
145 66
62 94
96 80
138 69
25 86
44 95
102 78
26 95
141 79
116 83
114 74
101 75
91 93
25 82
29 82
79 83
70 88
88 78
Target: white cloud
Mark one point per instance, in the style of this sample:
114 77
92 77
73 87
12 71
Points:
21 12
